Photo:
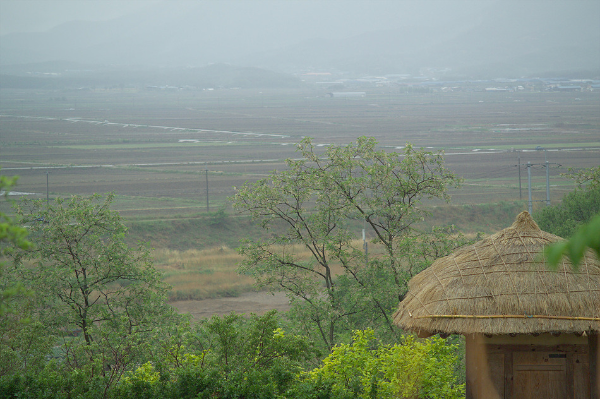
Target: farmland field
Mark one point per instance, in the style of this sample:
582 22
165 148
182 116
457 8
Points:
157 149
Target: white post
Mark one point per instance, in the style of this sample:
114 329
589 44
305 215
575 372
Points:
529 186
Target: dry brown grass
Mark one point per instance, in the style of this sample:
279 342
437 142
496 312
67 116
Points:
210 273
201 274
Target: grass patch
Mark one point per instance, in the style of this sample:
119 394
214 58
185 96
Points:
212 273
202 274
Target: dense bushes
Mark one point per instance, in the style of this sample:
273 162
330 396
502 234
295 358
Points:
576 209
93 323
233 357
412 369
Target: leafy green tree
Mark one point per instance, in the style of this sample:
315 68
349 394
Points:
89 277
576 208
10 232
11 236
24 343
322 199
98 301
589 177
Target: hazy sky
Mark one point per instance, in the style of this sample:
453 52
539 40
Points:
291 34
40 15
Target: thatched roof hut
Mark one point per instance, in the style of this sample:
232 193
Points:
501 287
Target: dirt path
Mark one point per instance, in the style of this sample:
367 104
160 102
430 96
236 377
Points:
250 302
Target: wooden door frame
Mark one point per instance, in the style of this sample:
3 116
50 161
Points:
478 377
594 359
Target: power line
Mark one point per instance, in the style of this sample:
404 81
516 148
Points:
529 165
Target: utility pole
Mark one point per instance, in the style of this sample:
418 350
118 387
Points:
530 207
546 164
47 189
547 178
519 166
365 247
207 208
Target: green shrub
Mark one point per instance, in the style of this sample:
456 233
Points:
414 368
576 209
225 357
233 357
54 382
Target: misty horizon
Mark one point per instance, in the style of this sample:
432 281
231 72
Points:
470 39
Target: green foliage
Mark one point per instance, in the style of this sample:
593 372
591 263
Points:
52 382
586 236
24 345
237 345
234 357
96 303
11 236
366 369
143 382
583 177
98 311
217 218
10 232
577 217
89 277
223 357
575 209
321 199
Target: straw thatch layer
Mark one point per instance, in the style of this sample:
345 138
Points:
501 285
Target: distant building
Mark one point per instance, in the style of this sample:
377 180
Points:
567 88
166 87
329 83
337 94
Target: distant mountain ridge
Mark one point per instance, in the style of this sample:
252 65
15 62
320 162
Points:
505 38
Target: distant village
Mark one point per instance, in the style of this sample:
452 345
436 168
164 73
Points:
352 87
335 84
341 87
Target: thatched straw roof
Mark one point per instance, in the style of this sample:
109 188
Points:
500 285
